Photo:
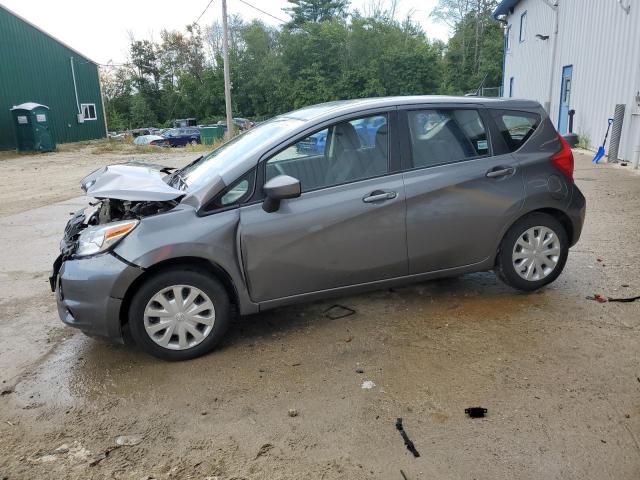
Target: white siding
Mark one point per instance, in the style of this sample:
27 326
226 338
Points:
528 61
601 42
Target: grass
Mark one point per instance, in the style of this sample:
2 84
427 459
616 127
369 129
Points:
584 141
117 147
126 147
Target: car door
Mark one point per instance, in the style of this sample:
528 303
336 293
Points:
172 137
462 188
346 228
183 137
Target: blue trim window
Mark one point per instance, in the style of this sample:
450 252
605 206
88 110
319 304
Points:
511 87
507 39
523 26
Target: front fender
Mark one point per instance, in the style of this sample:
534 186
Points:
181 233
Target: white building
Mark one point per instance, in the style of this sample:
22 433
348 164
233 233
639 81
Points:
576 54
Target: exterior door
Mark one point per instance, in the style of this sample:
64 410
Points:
459 195
346 228
565 99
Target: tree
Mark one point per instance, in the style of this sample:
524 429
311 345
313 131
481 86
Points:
326 53
141 113
474 50
314 11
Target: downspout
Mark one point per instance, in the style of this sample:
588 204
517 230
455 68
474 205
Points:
504 52
554 7
104 112
75 86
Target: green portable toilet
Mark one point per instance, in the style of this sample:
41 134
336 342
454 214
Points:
208 135
31 121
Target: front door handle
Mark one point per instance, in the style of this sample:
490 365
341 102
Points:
378 196
500 172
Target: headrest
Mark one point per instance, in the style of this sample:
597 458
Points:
346 136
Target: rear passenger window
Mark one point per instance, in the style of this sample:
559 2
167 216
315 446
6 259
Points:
516 127
444 136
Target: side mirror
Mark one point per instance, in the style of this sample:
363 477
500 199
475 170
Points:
280 188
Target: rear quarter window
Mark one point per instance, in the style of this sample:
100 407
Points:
516 127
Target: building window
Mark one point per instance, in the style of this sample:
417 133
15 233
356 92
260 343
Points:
89 111
507 39
523 26
511 87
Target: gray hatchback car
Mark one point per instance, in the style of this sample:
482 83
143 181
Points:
328 200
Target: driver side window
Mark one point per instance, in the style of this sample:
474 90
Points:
342 153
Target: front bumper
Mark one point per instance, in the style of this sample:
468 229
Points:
89 293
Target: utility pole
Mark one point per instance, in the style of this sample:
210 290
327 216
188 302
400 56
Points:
227 80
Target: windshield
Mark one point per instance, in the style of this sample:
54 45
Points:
222 159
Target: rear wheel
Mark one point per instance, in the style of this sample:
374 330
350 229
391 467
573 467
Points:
179 314
533 252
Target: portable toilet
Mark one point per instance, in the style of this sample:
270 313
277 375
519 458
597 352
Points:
32 128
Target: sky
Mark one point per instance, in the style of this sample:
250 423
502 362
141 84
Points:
100 30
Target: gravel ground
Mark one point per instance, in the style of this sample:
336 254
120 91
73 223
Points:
282 398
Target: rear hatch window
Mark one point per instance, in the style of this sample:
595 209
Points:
515 127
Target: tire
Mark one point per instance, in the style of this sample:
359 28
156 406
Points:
535 226
177 342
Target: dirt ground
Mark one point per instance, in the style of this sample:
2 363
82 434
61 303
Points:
559 374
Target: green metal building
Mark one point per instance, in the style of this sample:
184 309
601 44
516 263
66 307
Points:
35 67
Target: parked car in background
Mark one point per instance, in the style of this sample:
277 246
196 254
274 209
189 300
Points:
366 128
185 122
241 124
315 143
136 132
449 186
179 137
116 135
147 139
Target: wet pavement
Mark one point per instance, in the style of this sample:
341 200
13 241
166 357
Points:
559 374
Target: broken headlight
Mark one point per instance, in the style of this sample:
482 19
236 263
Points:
100 238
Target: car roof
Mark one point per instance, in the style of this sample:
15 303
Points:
346 106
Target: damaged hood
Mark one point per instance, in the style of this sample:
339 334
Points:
129 182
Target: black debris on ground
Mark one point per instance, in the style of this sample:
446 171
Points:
475 412
408 443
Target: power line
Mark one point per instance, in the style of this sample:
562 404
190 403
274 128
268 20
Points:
262 11
129 64
204 11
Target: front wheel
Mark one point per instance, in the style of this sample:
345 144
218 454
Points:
533 252
179 314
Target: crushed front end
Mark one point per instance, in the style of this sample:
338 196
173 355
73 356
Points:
88 278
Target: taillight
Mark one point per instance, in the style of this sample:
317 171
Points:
563 160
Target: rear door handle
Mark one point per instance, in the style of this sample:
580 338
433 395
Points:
379 195
500 172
